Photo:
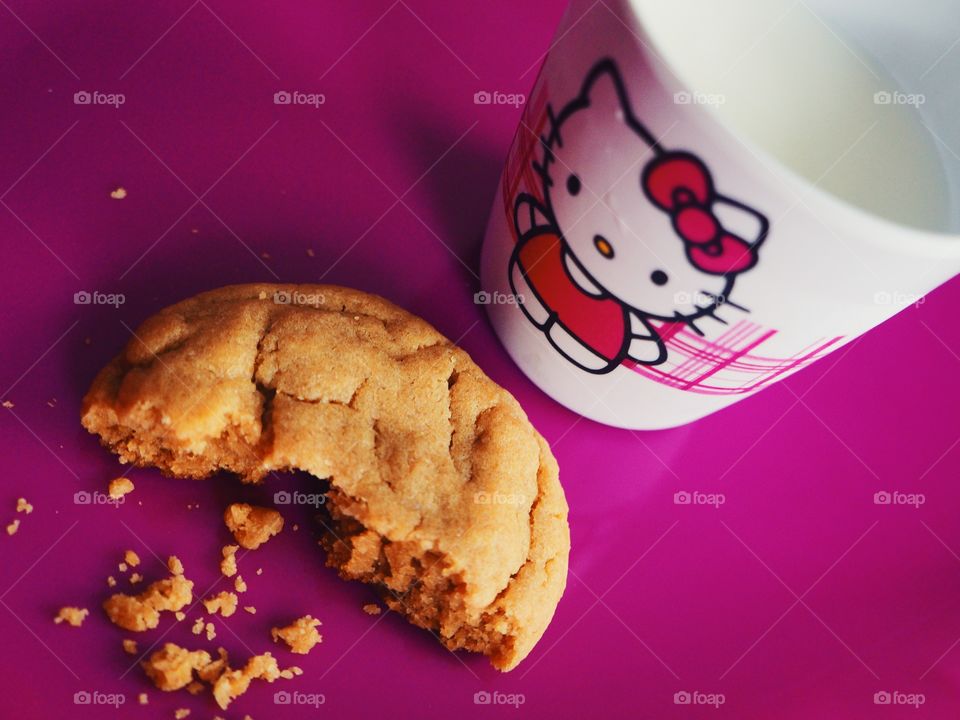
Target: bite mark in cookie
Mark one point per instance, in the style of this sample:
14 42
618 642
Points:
408 432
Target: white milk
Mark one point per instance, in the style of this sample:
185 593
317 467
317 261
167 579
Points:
779 76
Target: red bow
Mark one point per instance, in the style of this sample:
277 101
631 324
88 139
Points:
679 184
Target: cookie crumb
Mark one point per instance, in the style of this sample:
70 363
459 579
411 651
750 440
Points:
172 667
23 506
13 527
291 672
228 566
142 612
301 635
180 713
296 527
119 487
72 616
239 584
122 567
180 615
310 252
371 609
135 578
233 683
212 670
130 646
251 525
7 404
143 699
118 193
111 581
131 558
250 609
211 631
259 571
195 688
197 626
224 602
174 565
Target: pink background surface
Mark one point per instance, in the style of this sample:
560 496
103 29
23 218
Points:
797 598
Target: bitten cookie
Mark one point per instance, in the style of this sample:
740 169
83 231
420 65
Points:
441 493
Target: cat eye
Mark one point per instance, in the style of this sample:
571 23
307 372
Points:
658 277
573 185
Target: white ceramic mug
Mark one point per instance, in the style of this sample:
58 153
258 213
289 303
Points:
665 242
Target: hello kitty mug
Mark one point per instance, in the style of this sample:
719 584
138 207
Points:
703 198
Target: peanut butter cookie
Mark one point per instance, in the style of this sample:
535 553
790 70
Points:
441 493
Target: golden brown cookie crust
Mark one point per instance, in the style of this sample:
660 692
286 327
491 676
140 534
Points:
441 492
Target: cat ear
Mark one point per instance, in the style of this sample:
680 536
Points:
604 90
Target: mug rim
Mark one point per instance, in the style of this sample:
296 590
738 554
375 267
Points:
891 234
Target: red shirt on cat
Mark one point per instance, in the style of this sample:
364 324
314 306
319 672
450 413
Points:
599 322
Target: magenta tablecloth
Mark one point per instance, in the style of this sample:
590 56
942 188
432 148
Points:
798 597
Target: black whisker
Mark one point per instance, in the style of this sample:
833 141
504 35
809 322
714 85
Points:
553 139
689 322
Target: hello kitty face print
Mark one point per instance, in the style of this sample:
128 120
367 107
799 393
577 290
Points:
588 278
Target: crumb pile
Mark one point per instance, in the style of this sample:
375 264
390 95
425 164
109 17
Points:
142 612
174 668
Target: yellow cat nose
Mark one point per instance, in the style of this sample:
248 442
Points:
603 246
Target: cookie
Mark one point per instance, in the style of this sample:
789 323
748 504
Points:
441 493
